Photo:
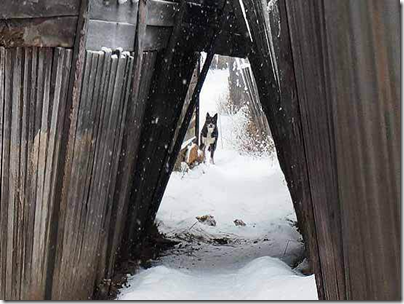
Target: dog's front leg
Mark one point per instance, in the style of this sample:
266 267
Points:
212 153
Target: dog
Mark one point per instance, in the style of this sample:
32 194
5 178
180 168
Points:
209 136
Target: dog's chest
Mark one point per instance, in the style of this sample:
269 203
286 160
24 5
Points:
209 139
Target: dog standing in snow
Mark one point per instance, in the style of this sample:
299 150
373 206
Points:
209 136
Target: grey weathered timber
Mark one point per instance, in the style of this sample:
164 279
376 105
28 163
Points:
31 83
88 137
38 9
54 276
142 73
5 192
114 27
350 76
114 11
143 68
41 32
111 35
2 207
13 268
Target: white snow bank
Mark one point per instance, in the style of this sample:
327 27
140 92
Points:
236 187
264 278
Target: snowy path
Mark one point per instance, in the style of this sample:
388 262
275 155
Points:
226 262
246 268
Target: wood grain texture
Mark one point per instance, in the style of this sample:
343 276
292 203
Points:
2 143
41 32
38 9
114 11
351 70
111 35
55 278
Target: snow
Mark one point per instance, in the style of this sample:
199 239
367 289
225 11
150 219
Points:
255 281
254 262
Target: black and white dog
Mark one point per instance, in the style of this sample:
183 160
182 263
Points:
209 135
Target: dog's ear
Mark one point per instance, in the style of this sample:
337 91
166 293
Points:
207 115
215 117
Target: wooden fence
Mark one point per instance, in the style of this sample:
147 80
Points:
88 138
33 85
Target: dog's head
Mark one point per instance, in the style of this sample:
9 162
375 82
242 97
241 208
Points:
211 121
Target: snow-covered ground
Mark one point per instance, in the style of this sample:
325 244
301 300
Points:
226 262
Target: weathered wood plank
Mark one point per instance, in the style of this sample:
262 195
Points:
14 204
89 258
43 32
114 11
16 153
101 96
353 87
111 35
24 164
36 9
31 172
85 216
141 77
75 185
56 104
41 208
142 72
58 147
114 139
55 277
6 193
2 206
96 199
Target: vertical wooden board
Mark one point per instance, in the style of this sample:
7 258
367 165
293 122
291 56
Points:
126 72
15 160
42 205
93 120
313 90
130 142
13 209
87 164
72 212
97 224
31 174
59 146
57 291
80 155
38 99
53 120
2 207
130 145
95 198
86 132
6 187
364 98
103 176
101 93
23 166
